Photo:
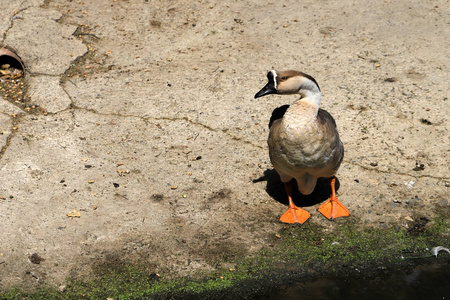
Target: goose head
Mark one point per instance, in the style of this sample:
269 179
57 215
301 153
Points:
291 82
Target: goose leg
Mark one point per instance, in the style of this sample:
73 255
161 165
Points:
294 214
333 208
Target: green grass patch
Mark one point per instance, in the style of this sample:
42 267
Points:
296 252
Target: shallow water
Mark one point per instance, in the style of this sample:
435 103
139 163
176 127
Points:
426 282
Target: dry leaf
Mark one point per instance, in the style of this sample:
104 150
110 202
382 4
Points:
74 214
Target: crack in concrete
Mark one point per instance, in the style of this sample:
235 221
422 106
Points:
442 178
15 123
7 143
61 84
224 131
149 119
12 19
60 75
44 74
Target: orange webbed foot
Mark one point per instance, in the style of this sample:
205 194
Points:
295 215
333 208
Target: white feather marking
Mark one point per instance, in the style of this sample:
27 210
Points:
275 75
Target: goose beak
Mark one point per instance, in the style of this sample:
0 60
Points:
268 89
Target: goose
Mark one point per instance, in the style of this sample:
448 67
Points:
303 142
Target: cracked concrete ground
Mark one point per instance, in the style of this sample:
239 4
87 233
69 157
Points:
148 127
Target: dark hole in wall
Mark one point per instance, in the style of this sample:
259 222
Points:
8 60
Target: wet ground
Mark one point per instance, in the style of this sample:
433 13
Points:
429 281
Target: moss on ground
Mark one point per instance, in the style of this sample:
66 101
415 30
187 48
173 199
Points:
296 252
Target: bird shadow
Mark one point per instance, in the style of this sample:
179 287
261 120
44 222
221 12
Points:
275 189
